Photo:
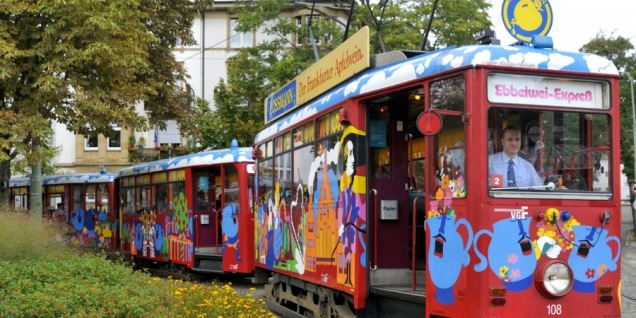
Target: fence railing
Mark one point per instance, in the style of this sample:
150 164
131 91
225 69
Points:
136 155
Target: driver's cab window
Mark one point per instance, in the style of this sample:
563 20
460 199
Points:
449 157
547 150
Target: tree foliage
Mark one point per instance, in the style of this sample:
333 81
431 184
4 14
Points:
256 72
86 64
621 51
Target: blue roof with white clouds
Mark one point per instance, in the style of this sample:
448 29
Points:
431 63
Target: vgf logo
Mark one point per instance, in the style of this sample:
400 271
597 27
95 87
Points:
515 213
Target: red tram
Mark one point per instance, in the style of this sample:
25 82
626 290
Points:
191 212
85 201
380 189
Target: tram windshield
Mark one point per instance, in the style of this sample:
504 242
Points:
548 151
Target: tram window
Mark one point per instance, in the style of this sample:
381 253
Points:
380 142
231 187
269 149
283 176
128 200
52 199
202 187
304 134
101 198
77 198
20 198
567 150
416 157
162 197
450 159
90 197
266 180
203 202
278 144
448 93
145 197
301 156
176 189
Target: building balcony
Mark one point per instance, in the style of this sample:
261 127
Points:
136 155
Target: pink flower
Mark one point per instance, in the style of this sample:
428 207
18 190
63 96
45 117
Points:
513 258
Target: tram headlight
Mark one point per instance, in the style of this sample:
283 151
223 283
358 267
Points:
553 279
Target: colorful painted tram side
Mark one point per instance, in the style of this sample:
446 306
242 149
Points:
375 197
84 201
192 212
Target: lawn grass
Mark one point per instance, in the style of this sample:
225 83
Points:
42 277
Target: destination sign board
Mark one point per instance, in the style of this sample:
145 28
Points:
348 59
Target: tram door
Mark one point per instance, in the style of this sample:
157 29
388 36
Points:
205 210
389 186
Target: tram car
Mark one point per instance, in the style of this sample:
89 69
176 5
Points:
19 193
388 191
191 213
83 201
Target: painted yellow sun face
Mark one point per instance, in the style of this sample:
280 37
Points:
527 15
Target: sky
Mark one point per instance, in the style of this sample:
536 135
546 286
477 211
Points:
576 22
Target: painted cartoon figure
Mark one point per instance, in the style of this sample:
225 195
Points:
447 254
230 226
148 230
511 253
352 162
274 239
592 257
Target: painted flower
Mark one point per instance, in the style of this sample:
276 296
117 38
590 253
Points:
589 273
570 223
503 271
513 258
515 274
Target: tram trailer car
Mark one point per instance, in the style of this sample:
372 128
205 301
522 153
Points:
340 173
192 212
84 201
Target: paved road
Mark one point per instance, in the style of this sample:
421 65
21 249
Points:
628 273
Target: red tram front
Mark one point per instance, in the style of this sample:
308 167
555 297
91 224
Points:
389 196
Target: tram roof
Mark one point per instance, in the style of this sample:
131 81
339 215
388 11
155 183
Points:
72 178
19 182
220 156
427 64
78 178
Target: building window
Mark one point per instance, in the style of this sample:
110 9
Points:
303 35
90 141
114 141
239 39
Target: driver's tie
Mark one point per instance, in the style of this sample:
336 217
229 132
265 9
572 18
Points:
512 182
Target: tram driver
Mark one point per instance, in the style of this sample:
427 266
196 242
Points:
506 169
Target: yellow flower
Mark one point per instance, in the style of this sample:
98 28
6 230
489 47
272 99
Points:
503 270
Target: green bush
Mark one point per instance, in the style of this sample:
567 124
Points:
42 277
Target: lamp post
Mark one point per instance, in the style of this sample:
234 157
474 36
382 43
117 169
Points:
631 86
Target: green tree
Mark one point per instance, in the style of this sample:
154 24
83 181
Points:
86 64
404 22
621 51
256 72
